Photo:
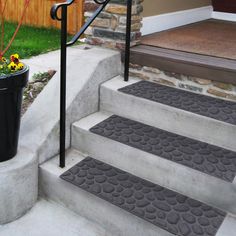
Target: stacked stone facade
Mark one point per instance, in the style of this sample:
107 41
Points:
193 84
109 29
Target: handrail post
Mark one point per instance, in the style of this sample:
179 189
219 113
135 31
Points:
64 44
128 39
63 86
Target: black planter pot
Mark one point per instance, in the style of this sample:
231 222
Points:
11 93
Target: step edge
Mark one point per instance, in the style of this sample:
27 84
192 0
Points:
187 58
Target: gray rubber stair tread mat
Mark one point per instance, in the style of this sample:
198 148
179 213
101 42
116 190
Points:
212 160
162 207
200 104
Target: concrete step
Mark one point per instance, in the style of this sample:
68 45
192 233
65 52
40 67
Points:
159 168
166 209
211 121
115 220
207 158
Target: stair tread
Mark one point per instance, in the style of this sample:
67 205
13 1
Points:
211 107
209 159
171 211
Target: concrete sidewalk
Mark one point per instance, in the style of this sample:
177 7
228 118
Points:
43 63
50 219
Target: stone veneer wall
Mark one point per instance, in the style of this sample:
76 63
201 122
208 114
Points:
193 84
109 29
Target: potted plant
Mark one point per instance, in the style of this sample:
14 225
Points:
13 79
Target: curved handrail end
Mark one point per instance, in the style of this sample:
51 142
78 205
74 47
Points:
55 8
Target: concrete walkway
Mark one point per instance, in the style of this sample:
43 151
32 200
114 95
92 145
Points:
48 61
49 219
43 63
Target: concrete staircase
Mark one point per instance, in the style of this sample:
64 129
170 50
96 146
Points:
156 168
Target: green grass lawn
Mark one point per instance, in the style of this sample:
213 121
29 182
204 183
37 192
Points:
31 41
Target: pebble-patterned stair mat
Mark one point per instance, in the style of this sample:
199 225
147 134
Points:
162 207
200 104
212 160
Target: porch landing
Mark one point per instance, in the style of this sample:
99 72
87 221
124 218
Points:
211 37
205 50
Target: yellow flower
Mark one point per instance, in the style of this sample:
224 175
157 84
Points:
20 66
15 58
12 66
3 59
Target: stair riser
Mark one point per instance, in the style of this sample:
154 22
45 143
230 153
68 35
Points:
168 118
119 222
158 170
196 65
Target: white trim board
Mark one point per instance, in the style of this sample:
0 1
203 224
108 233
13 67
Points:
224 16
153 24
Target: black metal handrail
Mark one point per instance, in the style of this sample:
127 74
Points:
64 44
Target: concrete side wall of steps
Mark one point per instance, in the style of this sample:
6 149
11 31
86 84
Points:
18 185
86 70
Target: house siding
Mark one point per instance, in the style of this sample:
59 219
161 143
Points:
156 7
